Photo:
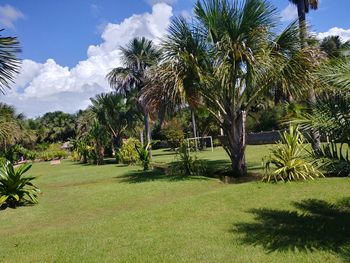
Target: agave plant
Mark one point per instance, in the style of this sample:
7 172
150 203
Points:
14 187
289 161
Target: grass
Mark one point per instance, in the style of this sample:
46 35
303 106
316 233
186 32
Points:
115 213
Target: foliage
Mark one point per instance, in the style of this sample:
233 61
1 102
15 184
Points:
15 188
288 160
55 127
128 154
9 63
173 132
187 164
14 153
144 155
232 56
115 113
334 159
51 152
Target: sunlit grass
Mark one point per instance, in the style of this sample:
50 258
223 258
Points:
115 213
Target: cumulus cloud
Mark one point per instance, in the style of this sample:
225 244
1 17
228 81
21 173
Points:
9 15
289 13
154 2
42 87
336 31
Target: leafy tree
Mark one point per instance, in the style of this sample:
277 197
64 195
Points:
56 127
138 56
243 58
9 63
115 113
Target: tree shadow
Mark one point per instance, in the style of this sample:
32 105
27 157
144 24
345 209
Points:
315 225
155 175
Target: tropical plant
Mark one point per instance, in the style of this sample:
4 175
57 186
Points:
115 113
173 132
56 127
304 7
288 160
128 154
186 163
137 57
144 155
15 189
243 59
9 63
331 115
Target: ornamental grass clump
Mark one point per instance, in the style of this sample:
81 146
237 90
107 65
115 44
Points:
289 160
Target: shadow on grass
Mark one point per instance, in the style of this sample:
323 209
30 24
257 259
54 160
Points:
149 176
317 225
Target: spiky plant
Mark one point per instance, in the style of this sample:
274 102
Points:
16 188
288 160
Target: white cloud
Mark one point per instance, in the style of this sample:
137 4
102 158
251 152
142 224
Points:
153 2
43 87
336 31
9 15
289 13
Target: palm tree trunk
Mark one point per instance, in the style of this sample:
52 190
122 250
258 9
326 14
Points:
315 134
148 131
194 126
302 20
236 144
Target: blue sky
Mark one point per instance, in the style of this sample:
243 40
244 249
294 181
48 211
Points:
69 45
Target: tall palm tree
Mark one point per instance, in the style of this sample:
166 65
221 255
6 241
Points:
243 58
304 7
9 63
181 50
137 57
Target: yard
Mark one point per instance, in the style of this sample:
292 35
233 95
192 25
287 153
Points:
115 213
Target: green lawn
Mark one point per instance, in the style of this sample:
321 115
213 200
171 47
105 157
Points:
114 213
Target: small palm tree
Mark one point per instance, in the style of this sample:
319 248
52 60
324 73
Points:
9 63
115 113
137 57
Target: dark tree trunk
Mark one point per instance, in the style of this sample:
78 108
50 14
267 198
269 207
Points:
302 20
236 144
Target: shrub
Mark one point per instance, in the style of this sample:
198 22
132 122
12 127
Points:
144 156
127 154
288 160
174 134
187 164
14 187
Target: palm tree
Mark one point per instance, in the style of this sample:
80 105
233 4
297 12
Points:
304 7
181 50
115 113
9 63
243 58
137 57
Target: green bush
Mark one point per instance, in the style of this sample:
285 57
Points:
14 187
52 155
174 134
289 161
186 163
127 154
